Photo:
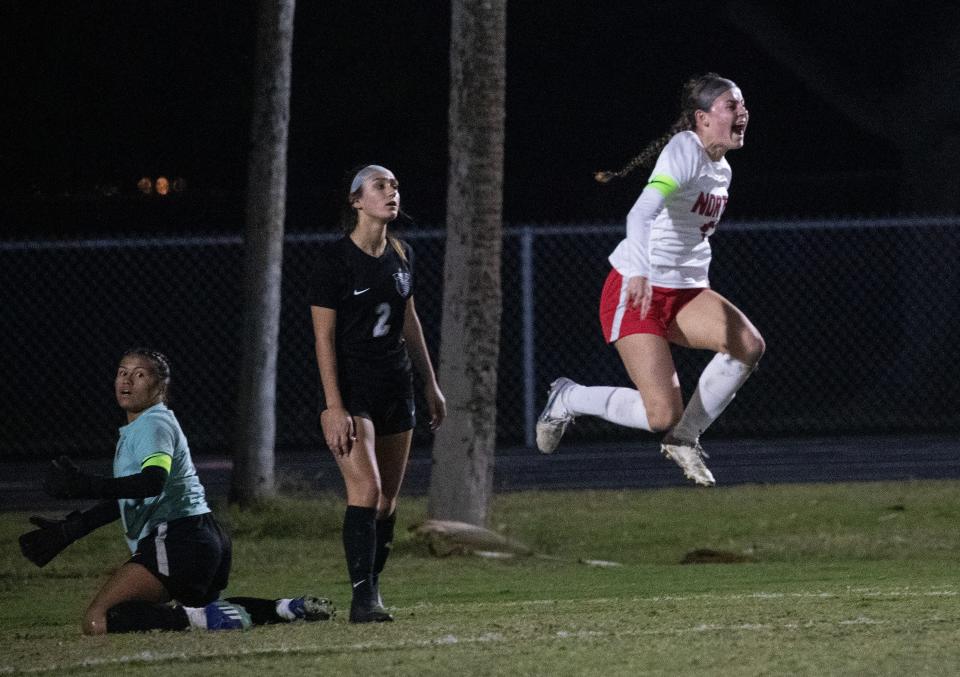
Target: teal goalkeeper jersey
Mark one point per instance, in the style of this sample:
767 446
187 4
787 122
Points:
155 438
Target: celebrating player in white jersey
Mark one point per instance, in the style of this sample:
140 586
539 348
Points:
658 292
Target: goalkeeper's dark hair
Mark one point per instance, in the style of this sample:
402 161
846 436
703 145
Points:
161 365
698 93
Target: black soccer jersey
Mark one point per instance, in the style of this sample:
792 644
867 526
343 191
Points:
370 296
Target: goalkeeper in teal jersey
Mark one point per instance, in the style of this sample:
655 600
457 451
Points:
151 443
180 552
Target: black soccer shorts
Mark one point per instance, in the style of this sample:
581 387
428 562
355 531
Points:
389 405
389 416
191 556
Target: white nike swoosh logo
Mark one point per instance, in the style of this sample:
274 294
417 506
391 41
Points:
357 292
359 583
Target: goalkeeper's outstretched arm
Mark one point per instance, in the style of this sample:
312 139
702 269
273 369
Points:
52 536
65 480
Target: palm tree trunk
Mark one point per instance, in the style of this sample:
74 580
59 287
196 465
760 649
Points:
253 472
462 477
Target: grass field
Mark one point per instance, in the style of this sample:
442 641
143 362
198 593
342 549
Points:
835 579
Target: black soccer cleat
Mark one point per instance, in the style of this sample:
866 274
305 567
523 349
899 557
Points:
368 611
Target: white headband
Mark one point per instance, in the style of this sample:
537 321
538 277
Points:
365 174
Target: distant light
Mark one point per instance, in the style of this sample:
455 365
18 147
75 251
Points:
162 186
145 185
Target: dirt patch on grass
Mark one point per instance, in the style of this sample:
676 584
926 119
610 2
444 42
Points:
708 556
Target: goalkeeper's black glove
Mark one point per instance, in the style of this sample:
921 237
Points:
43 544
65 480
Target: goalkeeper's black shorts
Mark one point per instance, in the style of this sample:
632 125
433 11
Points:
191 556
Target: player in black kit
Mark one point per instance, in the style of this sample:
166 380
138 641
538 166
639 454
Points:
367 335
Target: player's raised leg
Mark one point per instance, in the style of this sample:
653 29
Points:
648 361
711 322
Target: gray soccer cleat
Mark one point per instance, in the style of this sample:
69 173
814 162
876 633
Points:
309 608
554 418
690 459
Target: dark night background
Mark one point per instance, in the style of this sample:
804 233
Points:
853 114
99 94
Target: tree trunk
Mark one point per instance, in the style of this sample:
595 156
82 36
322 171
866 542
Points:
253 470
462 476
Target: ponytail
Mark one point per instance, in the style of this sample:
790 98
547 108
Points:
397 246
647 156
698 93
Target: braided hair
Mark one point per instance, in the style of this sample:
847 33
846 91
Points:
161 365
698 93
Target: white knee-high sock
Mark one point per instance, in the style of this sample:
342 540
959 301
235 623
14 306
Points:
623 406
718 385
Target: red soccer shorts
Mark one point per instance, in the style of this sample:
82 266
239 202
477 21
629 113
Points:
618 320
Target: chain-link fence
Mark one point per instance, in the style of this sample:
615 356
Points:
860 318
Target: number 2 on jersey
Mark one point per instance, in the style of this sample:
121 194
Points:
383 315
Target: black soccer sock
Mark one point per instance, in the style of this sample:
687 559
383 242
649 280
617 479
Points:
385 529
359 545
138 616
262 611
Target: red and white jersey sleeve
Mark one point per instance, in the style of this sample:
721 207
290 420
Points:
668 241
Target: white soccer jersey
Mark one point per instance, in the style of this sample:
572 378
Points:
668 238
